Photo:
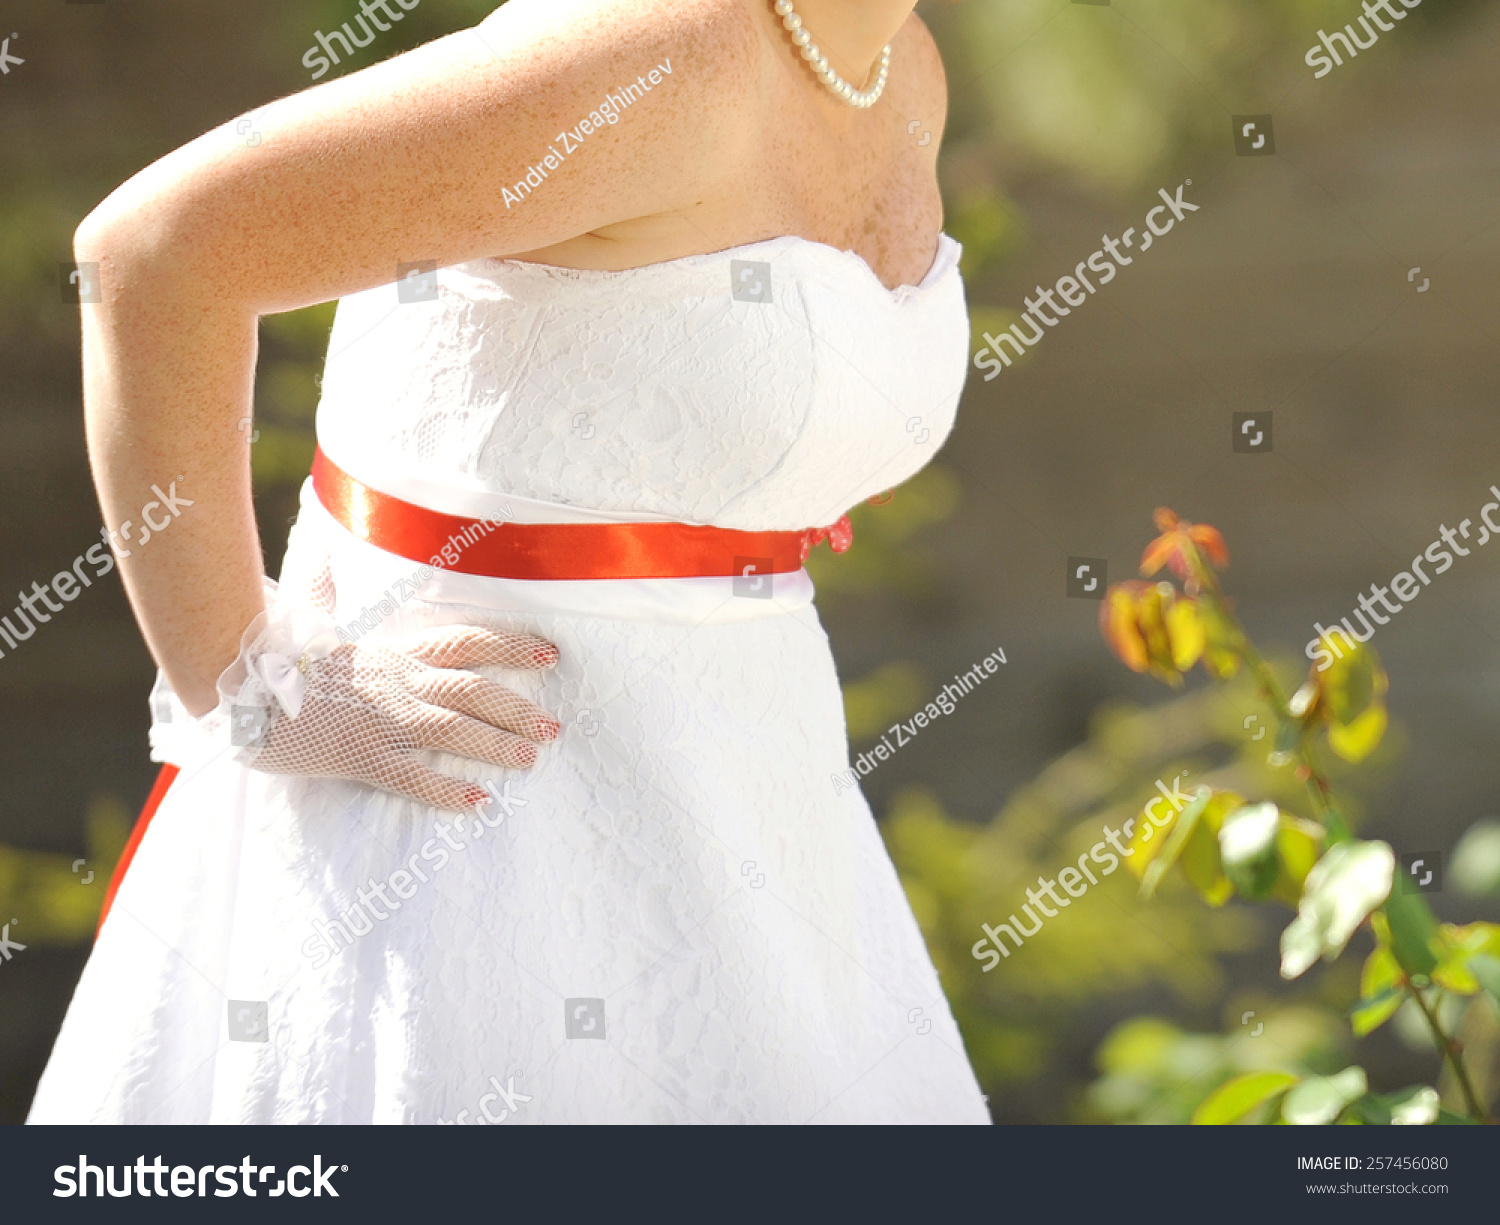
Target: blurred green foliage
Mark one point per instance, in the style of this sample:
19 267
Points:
1107 943
1155 1072
60 895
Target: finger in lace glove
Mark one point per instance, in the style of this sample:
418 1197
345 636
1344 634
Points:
302 703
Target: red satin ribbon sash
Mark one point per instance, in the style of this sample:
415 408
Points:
549 550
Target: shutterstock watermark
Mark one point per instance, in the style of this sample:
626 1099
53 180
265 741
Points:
506 1093
67 585
8 947
373 904
189 1181
1323 649
606 114
1076 881
1319 57
6 57
319 63
945 703
993 358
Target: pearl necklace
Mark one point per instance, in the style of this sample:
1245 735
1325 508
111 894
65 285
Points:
818 62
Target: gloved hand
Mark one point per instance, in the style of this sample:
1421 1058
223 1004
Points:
303 703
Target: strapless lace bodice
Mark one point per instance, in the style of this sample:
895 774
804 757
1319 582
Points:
771 386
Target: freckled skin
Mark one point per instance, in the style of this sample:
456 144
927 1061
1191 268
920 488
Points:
407 161
810 164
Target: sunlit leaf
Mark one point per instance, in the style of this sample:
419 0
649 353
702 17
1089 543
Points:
1453 973
1247 848
1298 845
1148 839
1118 623
1319 1099
1351 683
1185 633
1370 1014
1350 881
1220 657
1355 741
1379 974
1176 835
1200 861
1380 991
1151 611
1236 1098
1413 1107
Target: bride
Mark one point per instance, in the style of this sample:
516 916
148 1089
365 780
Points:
512 801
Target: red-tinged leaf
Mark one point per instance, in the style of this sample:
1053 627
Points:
1211 541
1157 553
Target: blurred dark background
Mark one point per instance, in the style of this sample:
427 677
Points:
1290 292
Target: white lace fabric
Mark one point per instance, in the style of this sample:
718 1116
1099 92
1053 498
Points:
673 915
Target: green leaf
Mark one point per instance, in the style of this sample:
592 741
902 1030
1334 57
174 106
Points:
1220 658
1319 1099
1454 972
1350 881
1357 740
1380 989
1351 684
1237 1097
1416 1106
1369 1015
1379 974
1413 930
1298 845
1180 830
1200 860
1247 848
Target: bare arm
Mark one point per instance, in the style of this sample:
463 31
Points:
403 162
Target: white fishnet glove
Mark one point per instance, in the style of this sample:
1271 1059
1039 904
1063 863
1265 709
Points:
302 703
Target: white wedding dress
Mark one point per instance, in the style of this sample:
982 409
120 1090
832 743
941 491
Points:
675 916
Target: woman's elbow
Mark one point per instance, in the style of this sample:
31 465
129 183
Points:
136 237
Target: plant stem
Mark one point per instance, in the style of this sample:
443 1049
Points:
1318 786
1323 799
1453 1055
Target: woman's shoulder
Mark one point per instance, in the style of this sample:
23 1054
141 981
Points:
710 38
708 54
